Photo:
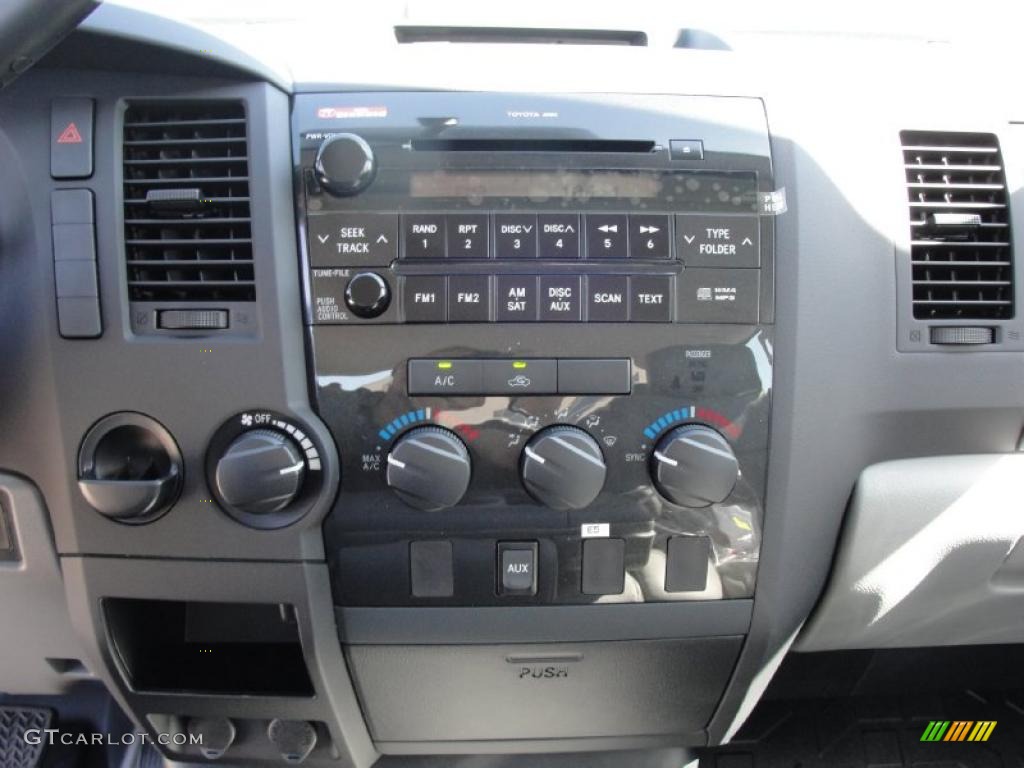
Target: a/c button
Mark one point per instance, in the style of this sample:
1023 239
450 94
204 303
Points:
445 377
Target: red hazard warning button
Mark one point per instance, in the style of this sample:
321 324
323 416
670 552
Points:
71 138
70 135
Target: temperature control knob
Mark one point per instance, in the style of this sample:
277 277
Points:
344 164
694 466
429 468
261 472
563 467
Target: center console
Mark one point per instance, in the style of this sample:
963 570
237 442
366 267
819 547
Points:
541 333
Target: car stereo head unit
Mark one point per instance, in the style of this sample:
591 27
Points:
475 208
541 333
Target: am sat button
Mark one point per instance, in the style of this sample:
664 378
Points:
445 377
517 298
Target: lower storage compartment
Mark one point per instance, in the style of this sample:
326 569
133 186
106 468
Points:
539 691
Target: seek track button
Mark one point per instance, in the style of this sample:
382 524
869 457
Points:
352 239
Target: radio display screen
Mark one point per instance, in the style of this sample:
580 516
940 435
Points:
537 185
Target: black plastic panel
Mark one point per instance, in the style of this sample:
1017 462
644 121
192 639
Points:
717 375
542 691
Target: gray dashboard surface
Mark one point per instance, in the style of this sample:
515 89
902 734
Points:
929 556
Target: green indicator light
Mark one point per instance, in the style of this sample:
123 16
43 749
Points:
519 365
444 365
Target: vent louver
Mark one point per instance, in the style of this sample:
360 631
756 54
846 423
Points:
961 256
187 223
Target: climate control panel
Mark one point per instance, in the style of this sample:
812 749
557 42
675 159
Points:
603 481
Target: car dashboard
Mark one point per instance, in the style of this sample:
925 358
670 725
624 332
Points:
496 398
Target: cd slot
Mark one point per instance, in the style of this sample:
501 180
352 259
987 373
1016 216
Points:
533 145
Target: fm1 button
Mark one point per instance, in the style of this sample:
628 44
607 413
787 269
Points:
606 236
559 235
467 236
517 564
718 241
424 236
515 236
650 298
648 237
424 299
445 377
560 299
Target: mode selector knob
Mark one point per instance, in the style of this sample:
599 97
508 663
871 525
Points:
260 472
694 466
367 294
429 468
563 467
344 164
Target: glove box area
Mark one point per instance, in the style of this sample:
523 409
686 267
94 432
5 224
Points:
453 693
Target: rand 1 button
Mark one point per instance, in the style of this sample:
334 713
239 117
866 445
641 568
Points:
704 240
606 235
352 239
719 295
515 235
469 298
467 235
520 377
445 377
650 298
560 299
424 298
648 236
558 235
424 235
516 298
607 298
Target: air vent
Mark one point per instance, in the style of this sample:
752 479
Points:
187 226
961 256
